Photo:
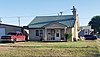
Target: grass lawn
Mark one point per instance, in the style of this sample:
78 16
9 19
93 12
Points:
29 49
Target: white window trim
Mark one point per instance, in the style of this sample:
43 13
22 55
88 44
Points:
39 31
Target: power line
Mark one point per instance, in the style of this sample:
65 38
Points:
20 17
34 15
17 16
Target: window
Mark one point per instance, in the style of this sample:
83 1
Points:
18 34
21 34
39 32
57 34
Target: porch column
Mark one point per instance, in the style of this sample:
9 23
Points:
65 32
65 29
45 34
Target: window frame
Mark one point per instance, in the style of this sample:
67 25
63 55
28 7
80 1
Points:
40 32
36 32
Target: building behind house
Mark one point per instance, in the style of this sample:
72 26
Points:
6 28
85 30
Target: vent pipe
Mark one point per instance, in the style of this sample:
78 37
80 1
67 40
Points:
61 13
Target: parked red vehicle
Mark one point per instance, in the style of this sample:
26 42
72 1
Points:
13 37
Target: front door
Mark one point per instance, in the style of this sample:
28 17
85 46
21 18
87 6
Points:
57 35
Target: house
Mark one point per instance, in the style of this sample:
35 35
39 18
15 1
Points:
5 29
85 30
53 28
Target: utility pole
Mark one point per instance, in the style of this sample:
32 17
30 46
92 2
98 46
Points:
0 20
18 20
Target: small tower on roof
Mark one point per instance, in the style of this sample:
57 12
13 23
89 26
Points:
74 11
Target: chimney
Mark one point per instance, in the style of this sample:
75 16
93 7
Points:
74 11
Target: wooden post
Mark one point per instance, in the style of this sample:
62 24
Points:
65 29
45 38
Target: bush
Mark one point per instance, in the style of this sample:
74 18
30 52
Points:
68 36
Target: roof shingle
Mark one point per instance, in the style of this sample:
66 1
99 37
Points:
40 21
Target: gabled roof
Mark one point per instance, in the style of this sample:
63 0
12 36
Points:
40 21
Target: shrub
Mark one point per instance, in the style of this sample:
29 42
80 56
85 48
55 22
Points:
68 36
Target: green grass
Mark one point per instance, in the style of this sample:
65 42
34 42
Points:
29 49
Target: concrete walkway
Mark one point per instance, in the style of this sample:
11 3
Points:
2 44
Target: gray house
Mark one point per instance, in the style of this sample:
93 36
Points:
85 30
5 28
53 28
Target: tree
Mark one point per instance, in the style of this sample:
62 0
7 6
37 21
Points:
95 24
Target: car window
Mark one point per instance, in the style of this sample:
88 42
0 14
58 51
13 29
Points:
21 34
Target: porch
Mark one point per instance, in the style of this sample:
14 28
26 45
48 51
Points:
55 34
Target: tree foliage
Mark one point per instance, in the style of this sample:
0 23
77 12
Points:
95 24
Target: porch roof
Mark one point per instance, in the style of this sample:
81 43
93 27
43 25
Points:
40 21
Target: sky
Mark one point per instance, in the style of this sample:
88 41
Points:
27 10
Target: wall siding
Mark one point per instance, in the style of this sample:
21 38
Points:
69 31
10 29
32 35
54 25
